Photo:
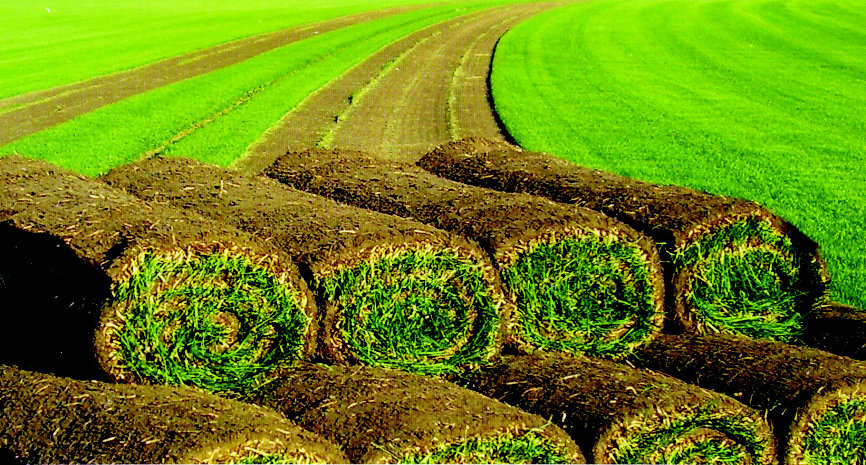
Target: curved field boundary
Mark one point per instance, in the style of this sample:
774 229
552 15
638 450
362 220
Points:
32 112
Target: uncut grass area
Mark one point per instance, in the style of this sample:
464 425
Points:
763 100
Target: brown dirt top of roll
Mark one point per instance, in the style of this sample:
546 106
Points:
837 328
47 419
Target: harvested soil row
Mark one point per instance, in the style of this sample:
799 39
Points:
388 416
816 400
46 419
392 292
618 414
838 328
732 265
582 282
26 114
138 291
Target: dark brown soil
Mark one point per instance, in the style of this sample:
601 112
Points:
378 415
46 419
838 328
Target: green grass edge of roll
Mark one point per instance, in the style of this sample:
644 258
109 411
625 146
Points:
835 434
529 447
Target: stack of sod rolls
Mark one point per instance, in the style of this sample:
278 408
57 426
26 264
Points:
837 328
386 416
732 265
48 419
392 292
816 400
100 284
582 282
619 414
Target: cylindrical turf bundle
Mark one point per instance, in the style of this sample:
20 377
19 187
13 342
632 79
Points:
388 416
393 292
816 400
47 419
105 283
582 282
734 266
619 414
837 328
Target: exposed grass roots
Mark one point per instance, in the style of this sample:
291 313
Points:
423 311
215 321
586 295
838 436
525 448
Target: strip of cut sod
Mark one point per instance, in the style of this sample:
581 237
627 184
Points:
620 414
732 266
392 292
838 328
380 415
582 282
110 287
816 400
49 419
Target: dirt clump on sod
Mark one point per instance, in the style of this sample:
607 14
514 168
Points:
388 416
816 400
107 284
620 414
732 265
582 282
837 328
392 292
48 419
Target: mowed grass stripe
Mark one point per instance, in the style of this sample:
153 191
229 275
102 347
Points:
748 98
124 131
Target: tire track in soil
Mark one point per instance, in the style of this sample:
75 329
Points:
25 114
409 97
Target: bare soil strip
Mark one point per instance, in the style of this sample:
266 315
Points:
26 114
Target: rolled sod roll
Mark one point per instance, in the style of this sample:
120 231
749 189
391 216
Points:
582 282
392 292
110 287
837 328
815 400
732 266
619 414
388 416
48 419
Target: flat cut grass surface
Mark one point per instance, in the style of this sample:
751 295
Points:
759 99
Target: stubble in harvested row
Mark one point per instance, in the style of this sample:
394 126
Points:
735 267
393 292
619 414
387 416
837 328
816 400
582 282
48 419
108 284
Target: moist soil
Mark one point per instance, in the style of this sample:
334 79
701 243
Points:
837 328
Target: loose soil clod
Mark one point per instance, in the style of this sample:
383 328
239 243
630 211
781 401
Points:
816 400
106 283
582 282
393 292
46 419
733 265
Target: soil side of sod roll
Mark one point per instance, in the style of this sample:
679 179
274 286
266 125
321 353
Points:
731 264
102 285
620 414
582 282
837 328
385 416
48 419
816 400
392 292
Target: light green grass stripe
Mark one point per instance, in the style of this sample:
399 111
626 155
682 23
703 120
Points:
758 99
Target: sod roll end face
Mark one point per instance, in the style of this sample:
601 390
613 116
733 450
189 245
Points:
831 428
209 315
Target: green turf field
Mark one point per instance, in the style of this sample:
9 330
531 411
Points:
760 99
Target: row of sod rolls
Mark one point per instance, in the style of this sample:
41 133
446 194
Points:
380 415
100 285
49 419
816 400
582 282
731 265
391 292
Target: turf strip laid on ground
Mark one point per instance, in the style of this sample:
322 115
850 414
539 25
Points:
107 284
582 282
391 292
732 265
47 419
